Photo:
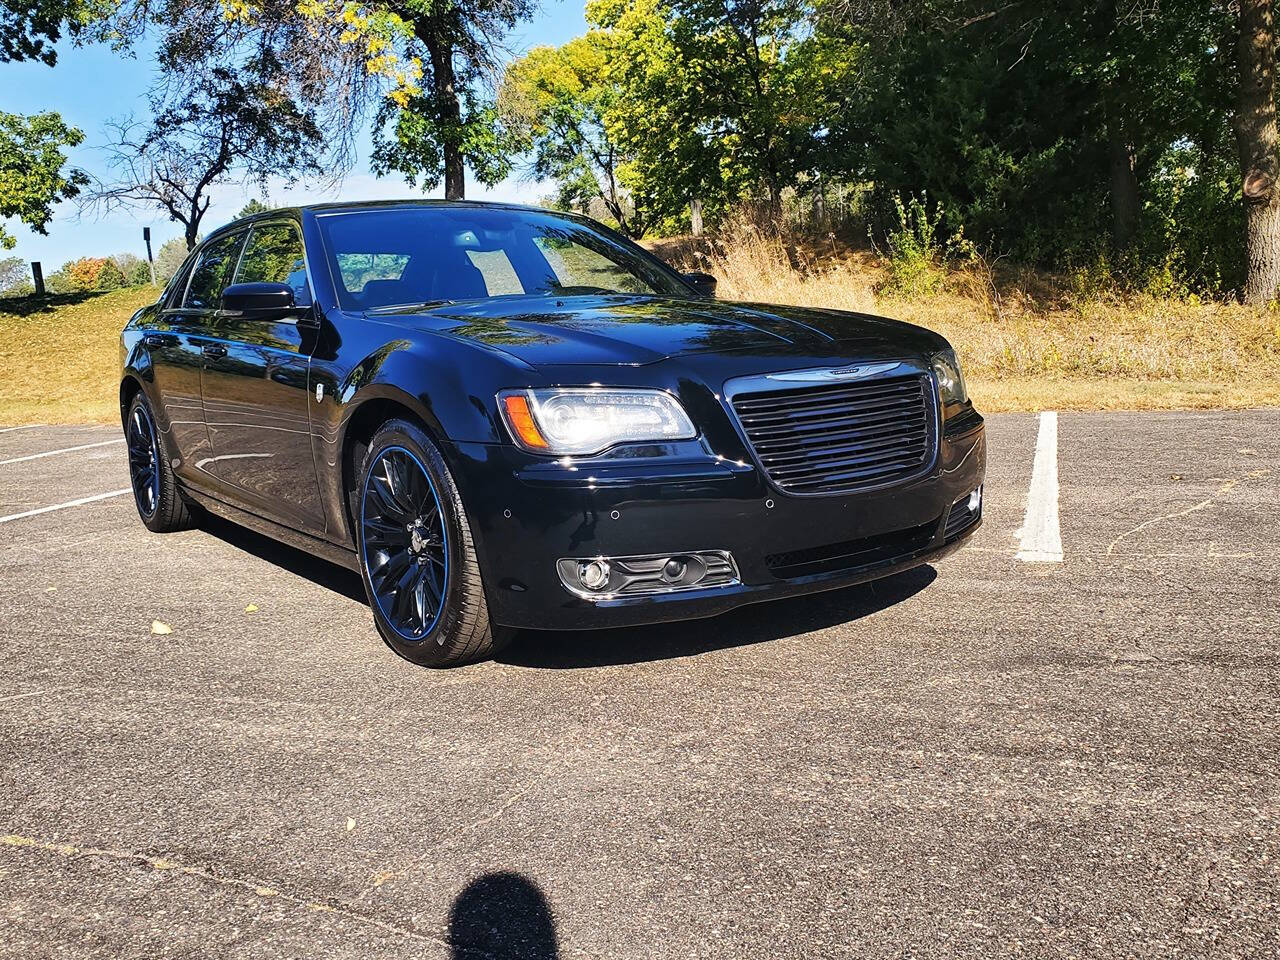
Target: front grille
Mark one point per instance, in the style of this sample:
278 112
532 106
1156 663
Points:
838 438
851 554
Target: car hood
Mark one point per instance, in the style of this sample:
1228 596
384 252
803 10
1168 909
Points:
632 330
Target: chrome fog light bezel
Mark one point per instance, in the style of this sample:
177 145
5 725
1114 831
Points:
648 575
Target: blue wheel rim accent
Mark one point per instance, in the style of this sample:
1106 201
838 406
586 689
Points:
405 548
144 460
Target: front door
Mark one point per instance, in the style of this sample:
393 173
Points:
256 399
177 346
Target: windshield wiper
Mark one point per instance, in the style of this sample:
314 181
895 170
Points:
407 307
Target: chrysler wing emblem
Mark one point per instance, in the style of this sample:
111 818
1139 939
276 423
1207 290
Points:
857 372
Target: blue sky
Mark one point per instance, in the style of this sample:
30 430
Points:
91 85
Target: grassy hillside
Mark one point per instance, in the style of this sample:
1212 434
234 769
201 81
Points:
60 357
1027 341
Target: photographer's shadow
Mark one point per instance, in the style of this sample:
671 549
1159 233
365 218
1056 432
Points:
756 623
502 916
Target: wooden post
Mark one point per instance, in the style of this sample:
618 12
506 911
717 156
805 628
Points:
37 277
695 216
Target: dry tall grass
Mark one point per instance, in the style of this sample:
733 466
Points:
1027 341
60 359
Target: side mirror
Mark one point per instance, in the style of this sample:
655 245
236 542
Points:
259 299
704 283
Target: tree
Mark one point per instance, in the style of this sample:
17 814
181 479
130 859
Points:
30 28
15 277
438 117
226 125
556 99
1256 139
250 208
170 257
33 174
720 100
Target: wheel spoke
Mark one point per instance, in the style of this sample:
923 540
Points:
404 543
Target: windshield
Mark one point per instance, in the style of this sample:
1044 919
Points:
406 256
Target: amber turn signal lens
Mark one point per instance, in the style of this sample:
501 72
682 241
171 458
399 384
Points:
521 420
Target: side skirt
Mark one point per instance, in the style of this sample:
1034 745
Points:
342 556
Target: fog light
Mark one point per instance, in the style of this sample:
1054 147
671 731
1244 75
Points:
594 574
673 570
975 500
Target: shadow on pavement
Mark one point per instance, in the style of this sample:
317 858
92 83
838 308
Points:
757 623
502 916
318 571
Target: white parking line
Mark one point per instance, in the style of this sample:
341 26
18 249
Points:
50 453
1041 536
64 506
25 426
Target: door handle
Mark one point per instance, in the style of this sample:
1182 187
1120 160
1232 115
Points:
215 351
153 340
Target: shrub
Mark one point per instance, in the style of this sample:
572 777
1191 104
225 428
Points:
915 254
85 274
169 258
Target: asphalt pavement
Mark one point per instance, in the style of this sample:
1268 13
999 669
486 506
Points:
990 758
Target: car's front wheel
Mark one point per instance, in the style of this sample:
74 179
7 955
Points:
416 553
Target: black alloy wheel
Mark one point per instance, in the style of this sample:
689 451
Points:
417 556
405 546
155 488
144 459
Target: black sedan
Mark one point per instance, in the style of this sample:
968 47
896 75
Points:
507 418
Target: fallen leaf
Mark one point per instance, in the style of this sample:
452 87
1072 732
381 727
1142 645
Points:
251 608
160 629
351 824
50 589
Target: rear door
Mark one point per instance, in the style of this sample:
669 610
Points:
256 397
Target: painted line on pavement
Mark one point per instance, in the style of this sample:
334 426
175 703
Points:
51 453
1041 536
25 426
68 504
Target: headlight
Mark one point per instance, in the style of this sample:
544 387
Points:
580 420
950 380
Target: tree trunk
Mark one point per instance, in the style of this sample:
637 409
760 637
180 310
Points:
445 92
1124 193
1256 140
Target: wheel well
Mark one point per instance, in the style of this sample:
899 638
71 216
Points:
129 388
369 416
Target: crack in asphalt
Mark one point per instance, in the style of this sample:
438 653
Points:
252 885
1227 487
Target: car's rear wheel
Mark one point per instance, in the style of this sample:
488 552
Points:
416 553
155 488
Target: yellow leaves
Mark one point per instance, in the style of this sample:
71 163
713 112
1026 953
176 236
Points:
251 608
160 628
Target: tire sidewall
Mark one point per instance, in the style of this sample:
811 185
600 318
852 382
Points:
434 647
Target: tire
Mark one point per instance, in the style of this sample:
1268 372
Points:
155 488
417 557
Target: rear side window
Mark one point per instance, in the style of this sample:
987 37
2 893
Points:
212 272
273 254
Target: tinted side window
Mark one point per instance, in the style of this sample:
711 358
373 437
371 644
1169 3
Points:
177 285
274 255
213 272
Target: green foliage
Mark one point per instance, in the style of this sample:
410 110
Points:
85 275
32 169
15 277
916 254
249 209
30 28
169 258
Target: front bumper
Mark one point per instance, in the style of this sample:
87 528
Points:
526 514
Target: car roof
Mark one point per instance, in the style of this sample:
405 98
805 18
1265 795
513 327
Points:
333 206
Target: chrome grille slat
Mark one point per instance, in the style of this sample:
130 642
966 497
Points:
837 438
